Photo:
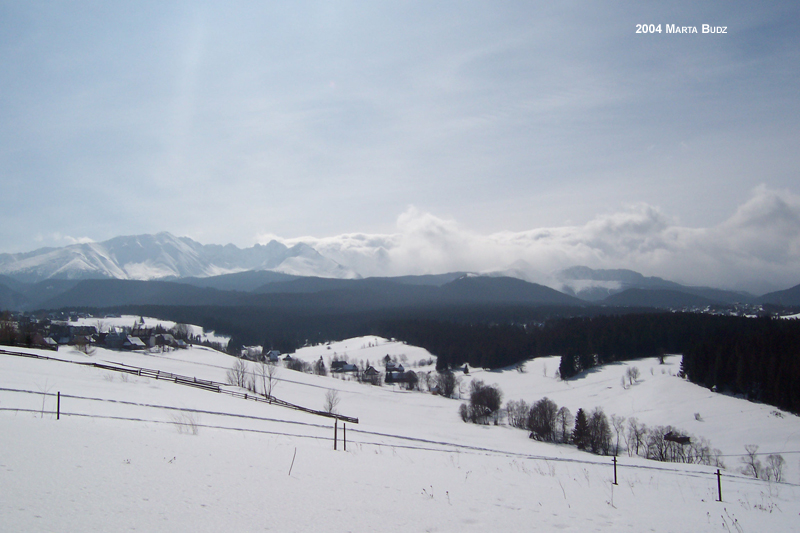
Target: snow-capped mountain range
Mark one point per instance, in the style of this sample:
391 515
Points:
164 257
145 257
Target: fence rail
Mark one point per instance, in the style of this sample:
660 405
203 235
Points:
190 381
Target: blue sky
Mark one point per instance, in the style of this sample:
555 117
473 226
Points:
229 121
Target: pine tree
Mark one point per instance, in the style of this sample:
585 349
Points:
580 435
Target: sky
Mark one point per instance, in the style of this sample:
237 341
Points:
236 122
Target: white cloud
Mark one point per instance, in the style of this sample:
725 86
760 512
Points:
757 248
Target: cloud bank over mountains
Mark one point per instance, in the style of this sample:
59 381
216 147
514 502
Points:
757 248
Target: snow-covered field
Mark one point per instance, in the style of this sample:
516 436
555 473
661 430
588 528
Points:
125 456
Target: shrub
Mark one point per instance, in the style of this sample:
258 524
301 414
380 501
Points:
517 412
298 365
484 401
542 420
447 383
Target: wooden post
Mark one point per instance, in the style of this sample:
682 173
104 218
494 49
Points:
335 432
615 470
58 407
344 435
293 456
719 485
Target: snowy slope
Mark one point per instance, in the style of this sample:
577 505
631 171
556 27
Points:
411 464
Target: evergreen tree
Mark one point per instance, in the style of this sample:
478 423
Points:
566 368
580 435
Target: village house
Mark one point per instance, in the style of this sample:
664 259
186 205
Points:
133 343
370 375
342 367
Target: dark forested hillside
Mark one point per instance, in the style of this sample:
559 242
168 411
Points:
789 297
755 357
605 338
662 298
758 358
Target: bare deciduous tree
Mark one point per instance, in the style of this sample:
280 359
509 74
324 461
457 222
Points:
564 424
517 412
331 401
774 469
618 423
635 437
633 374
237 374
752 466
183 331
267 375
426 379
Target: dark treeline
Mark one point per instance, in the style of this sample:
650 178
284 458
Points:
599 339
758 358
286 329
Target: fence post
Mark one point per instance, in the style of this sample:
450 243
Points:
335 431
293 456
719 485
58 407
615 470
344 435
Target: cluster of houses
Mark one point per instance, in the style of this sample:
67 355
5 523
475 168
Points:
257 353
51 334
394 372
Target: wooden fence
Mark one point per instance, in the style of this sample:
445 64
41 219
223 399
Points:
211 386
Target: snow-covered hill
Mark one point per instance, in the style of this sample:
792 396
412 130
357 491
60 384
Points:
124 453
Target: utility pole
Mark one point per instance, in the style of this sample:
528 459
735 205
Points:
615 470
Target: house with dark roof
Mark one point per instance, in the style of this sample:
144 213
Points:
133 343
343 366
